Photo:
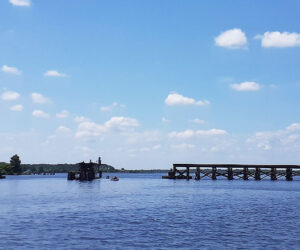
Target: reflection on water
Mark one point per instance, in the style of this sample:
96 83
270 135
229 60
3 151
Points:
144 211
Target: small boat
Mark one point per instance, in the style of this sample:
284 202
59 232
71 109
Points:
107 177
115 178
2 176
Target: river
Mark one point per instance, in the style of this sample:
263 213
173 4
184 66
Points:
142 211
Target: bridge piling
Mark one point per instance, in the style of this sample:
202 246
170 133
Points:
214 173
229 173
289 174
273 174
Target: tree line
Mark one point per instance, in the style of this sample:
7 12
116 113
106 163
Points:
16 168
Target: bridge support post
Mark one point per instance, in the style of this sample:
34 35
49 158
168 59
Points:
289 174
273 174
197 174
229 173
188 173
214 173
245 174
257 174
174 171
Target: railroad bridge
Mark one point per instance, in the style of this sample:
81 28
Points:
233 171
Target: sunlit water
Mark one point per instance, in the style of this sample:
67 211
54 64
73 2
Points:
144 211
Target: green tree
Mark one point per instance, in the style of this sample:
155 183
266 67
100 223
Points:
41 170
15 164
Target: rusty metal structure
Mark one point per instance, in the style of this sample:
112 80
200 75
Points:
87 171
233 171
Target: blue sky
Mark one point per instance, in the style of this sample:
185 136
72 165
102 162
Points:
148 83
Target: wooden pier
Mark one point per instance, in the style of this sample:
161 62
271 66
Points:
233 171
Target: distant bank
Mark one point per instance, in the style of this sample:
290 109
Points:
28 169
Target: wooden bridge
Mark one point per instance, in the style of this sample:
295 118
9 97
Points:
233 171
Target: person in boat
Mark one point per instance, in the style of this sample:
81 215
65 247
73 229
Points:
115 178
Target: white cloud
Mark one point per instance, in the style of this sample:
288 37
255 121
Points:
212 131
18 107
40 114
62 114
293 127
147 149
88 128
183 146
115 124
81 119
246 86
198 121
279 39
10 96
11 70
111 107
189 133
287 140
165 120
21 3
39 98
121 123
54 73
175 99
182 135
64 129
232 39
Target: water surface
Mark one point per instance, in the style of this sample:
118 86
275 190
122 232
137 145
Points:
144 211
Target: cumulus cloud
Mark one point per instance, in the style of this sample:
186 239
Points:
54 73
11 70
10 96
232 39
40 114
246 86
81 119
111 107
88 128
174 99
64 129
62 114
121 123
117 124
18 107
189 133
198 121
39 98
182 135
286 140
278 39
293 127
20 3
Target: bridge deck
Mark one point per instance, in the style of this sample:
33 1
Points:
184 165
233 171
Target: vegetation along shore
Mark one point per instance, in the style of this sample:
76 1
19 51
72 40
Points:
15 167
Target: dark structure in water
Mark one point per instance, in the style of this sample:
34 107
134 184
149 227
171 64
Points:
87 171
233 171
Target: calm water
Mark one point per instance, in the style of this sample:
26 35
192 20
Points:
144 211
